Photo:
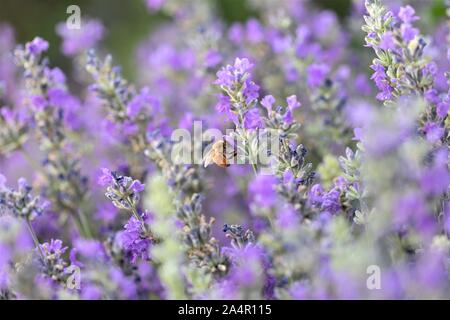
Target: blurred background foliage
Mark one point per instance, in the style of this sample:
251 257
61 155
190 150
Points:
129 22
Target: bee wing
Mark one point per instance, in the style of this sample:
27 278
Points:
208 159
230 152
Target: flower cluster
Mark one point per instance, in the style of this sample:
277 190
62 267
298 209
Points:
132 240
54 110
183 179
404 67
401 66
241 93
121 190
21 203
13 132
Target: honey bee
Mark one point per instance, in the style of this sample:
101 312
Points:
221 152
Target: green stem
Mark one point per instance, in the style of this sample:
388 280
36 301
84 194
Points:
84 224
35 239
255 169
250 155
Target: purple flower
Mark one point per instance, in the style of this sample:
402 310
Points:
432 96
431 68
54 250
287 218
288 177
237 83
288 117
433 131
262 190
21 203
91 292
236 33
223 105
130 128
137 186
143 101
23 184
254 31
106 178
330 201
298 291
380 74
324 23
361 114
442 108
187 121
341 183
132 241
106 212
250 266
381 82
123 191
362 84
430 270
407 14
280 43
37 46
250 90
435 180
58 97
292 102
252 119
225 77
409 208
316 194
39 103
90 249
316 74
385 93
291 74
408 32
154 5
57 75
229 75
126 287
76 41
326 201
7 115
387 41
267 102
212 58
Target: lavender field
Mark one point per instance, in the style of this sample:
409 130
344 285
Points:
298 152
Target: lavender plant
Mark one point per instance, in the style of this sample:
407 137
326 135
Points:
203 248
49 102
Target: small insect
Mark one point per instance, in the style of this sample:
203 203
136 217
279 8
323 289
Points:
221 153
